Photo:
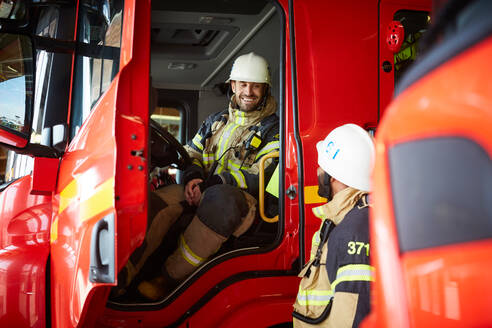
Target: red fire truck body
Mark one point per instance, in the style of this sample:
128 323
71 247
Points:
70 224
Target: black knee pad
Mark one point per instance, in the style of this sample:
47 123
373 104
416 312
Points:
221 208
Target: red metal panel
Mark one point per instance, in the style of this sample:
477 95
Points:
259 302
453 100
44 175
448 286
85 167
12 139
337 75
24 248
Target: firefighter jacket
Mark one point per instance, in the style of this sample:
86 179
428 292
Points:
236 140
334 290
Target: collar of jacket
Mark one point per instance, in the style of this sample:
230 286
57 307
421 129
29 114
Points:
338 207
253 117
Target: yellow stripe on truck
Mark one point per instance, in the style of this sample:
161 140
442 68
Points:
67 195
99 201
90 203
311 195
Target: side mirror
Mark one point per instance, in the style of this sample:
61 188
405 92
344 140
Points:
16 87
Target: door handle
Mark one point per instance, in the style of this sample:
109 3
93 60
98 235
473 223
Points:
102 268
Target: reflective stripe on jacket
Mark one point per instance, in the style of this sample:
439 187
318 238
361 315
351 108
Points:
225 136
337 291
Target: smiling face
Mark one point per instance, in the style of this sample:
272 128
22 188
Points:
248 95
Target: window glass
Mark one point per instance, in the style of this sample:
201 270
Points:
169 119
415 23
98 55
15 82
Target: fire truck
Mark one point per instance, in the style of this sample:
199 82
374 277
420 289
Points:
430 224
76 115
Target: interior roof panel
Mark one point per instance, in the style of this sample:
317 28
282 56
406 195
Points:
249 7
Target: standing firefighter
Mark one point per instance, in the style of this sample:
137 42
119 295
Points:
334 290
221 184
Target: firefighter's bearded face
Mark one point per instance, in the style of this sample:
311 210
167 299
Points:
248 95
324 184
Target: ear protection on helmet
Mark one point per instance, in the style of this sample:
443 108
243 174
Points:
395 35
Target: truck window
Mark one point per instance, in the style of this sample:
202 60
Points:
97 61
50 104
170 119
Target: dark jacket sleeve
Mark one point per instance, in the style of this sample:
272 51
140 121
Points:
195 147
348 264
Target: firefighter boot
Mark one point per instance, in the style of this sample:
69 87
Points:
196 244
206 233
166 208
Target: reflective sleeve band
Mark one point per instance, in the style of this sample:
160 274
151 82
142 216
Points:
239 177
269 147
197 162
233 165
197 142
314 244
354 272
314 297
188 254
208 158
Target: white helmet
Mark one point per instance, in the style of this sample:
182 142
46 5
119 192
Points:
347 154
250 68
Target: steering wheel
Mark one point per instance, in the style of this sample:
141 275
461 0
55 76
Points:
165 149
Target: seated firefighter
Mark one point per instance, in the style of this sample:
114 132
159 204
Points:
221 184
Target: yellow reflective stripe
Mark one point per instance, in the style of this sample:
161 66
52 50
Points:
311 195
208 158
239 117
314 297
188 254
197 162
219 169
316 239
319 212
354 272
269 147
197 142
224 140
239 177
235 166
314 244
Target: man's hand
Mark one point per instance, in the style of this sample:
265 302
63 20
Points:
192 191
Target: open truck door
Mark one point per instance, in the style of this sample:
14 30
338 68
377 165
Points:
102 187
95 179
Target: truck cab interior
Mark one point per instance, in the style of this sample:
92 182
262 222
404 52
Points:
193 47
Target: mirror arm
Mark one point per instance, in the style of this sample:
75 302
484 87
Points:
36 150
